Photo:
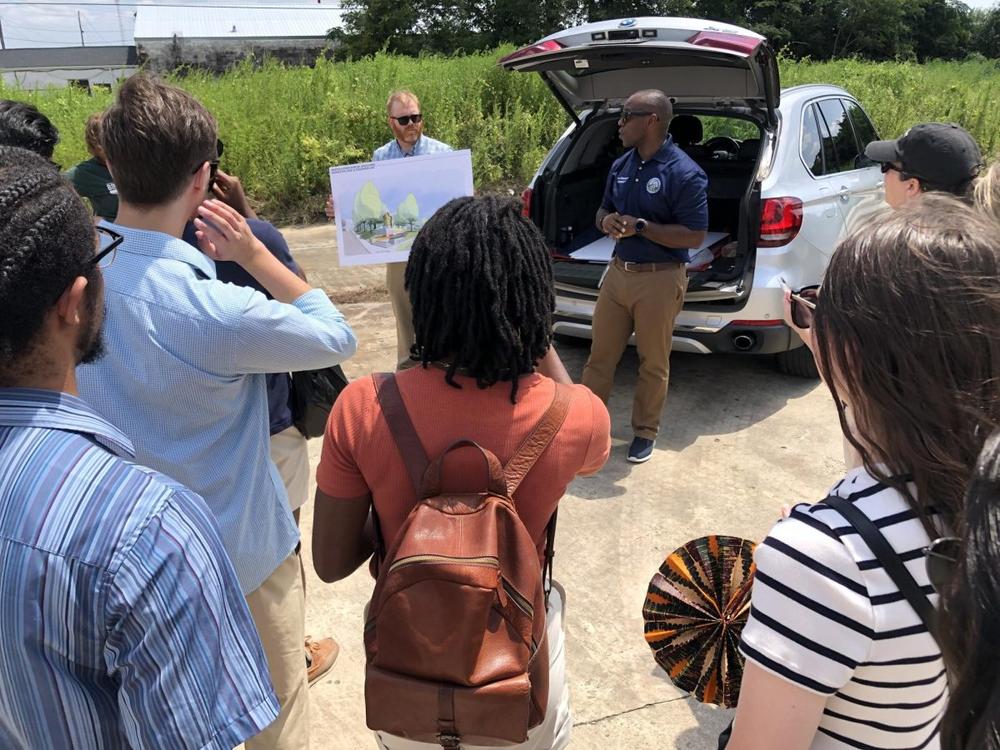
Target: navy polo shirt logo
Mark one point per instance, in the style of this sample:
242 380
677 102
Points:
653 186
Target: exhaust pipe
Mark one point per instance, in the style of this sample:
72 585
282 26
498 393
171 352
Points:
744 342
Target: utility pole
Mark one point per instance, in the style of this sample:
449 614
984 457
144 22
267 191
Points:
79 23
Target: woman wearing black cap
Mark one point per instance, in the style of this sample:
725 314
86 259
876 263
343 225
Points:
932 156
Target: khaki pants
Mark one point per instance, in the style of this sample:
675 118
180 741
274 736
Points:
395 280
290 453
646 302
278 610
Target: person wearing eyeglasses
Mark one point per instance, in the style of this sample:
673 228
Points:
123 621
842 644
184 374
406 121
655 207
930 157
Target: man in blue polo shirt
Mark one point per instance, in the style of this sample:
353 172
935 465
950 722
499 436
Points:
655 206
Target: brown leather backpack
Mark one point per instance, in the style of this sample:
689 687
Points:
455 631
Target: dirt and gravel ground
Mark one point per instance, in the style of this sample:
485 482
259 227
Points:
738 441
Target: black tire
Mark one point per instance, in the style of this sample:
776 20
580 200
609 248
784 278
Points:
798 362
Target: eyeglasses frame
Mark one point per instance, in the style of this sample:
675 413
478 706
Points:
116 240
627 114
415 118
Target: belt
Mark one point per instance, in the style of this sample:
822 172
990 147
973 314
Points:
627 265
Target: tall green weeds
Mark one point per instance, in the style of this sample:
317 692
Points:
284 126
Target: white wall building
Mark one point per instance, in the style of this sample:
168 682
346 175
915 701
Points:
216 38
88 67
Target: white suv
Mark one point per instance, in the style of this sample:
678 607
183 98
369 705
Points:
786 172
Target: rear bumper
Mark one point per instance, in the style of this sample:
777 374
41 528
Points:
730 339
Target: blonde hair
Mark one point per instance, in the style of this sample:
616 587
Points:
400 95
987 191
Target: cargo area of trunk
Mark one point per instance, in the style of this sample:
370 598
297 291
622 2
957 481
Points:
566 200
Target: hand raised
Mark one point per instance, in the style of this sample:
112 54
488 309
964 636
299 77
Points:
223 234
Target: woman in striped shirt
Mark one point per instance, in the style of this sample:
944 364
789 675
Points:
907 336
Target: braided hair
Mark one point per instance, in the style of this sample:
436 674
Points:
480 281
46 241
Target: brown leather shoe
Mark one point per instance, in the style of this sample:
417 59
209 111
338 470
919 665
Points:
320 657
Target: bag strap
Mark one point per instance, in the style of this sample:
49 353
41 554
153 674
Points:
401 426
534 445
887 557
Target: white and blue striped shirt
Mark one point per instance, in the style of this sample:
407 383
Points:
183 377
425 145
122 623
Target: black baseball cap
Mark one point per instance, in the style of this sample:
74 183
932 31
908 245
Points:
942 154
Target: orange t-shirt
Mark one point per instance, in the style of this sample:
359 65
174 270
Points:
361 457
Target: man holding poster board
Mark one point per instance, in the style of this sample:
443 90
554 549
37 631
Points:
406 122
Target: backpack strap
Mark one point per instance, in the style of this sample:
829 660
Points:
401 426
525 457
534 445
888 558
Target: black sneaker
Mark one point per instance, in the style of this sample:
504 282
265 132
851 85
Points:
641 450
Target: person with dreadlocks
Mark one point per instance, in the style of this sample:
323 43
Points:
480 283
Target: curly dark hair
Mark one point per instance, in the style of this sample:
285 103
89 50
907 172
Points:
480 281
22 125
46 241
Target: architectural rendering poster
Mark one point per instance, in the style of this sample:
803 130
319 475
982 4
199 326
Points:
381 205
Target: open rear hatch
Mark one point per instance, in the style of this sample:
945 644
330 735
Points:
693 61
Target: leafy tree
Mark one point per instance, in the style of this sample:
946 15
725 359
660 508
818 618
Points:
939 29
987 34
368 207
408 212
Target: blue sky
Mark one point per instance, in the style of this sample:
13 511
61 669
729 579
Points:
56 26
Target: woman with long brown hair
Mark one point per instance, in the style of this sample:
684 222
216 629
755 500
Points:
907 337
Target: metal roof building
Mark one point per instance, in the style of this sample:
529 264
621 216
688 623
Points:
40 67
161 22
219 37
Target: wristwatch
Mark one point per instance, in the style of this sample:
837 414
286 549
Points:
640 226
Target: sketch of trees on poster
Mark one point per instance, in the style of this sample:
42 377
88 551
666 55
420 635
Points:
382 205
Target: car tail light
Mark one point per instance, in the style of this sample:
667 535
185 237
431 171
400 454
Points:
720 40
780 221
526 202
534 49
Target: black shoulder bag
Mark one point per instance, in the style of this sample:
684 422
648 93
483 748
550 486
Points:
888 559
313 394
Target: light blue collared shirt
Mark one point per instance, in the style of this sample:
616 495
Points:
422 147
183 377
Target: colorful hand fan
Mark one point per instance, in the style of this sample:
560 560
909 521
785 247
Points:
695 609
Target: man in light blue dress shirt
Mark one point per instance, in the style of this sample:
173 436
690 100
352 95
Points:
187 355
406 122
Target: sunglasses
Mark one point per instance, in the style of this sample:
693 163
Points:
407 119
213 164
942 558
804 306
628 114
109 242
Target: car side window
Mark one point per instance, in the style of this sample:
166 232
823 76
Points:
839 145
812 142
863 129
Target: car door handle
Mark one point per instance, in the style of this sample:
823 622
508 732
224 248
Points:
845 194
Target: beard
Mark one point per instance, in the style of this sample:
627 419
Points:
91 342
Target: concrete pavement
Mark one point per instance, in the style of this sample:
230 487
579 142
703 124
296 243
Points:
738 441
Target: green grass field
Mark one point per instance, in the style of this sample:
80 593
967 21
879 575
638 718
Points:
284 126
